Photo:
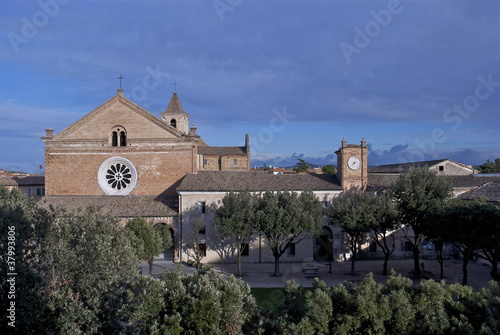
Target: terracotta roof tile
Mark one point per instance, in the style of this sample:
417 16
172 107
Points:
22 181
7 181
399 168
256 181
489 192
376 180
119 206
222 151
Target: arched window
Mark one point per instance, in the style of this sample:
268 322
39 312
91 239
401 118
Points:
114 139
173 123
123 139
118 136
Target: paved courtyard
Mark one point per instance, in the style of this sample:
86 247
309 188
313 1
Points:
260 275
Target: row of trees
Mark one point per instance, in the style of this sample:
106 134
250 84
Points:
394 307
283 218
419 203
411 202
77 274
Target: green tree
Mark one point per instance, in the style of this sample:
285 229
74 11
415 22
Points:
354 213
360 309
195 239
285 218
474 229
234 220
22 230
329 169
147 239
301 166
490 167
488 217
319 307
419 193
267 168
89 266
398 292
386 221
206 303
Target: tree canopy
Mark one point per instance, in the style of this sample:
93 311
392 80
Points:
354 213
329 169
490 166
301 166
419 193
89 263
234 219
285 218
148 240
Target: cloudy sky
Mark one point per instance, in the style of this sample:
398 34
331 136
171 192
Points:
417 79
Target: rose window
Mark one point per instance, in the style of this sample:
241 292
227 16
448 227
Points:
117 176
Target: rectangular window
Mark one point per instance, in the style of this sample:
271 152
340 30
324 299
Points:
408 246
235 162
202 249
203 230
290 250
40 191
29 191
201 207
205 161
245 249
441 168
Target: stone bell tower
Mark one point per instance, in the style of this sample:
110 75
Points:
352 166
175 116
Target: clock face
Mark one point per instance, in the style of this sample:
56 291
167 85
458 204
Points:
354 163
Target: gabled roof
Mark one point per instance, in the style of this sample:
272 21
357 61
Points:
7 181
119 206
22 181
489 192
256 181
222 151
117 99
376 180
30 180
402 167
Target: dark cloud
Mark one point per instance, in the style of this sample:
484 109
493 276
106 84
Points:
233 70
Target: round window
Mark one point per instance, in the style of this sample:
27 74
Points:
117 176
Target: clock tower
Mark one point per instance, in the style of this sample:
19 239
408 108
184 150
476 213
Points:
352 166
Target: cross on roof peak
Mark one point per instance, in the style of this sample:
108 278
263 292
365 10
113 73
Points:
121 78
175 83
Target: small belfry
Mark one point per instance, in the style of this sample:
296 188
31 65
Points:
175 116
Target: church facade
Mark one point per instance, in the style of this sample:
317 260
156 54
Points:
133 152
132 163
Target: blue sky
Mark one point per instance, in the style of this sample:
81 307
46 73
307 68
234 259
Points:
417 79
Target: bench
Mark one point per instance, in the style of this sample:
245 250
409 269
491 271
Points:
311 273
